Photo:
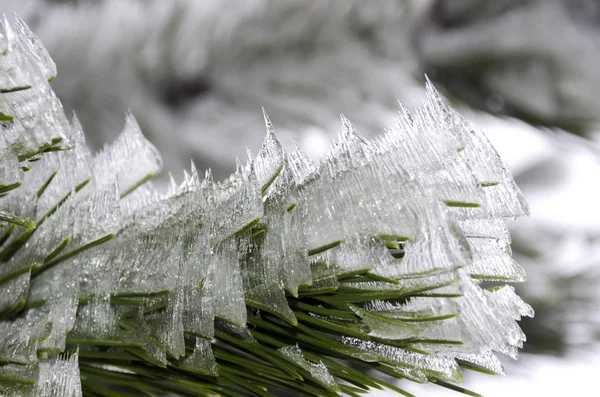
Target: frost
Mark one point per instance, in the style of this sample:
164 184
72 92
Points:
65 171
492 261
510 303
317 371
270 159
442 367
300 167
485 228
484 359
20 337
36 49
201 360
486 323
384 325
131 158
21 379
262 281
226 281
36 120
59 377
391 235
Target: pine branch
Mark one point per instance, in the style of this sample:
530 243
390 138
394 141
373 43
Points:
319 280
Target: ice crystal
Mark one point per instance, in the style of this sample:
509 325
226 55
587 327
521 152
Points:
318 371
402 228
59 377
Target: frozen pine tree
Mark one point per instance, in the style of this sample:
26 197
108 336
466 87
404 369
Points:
318 279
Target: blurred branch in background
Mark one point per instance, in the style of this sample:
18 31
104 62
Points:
533 59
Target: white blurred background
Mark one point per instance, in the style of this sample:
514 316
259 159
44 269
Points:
196 73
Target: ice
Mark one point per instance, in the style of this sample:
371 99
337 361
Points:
162 330
38 119
16 68
285 247
486 323
165 327
270 159
492 261
45 239
261 276
131 158
350 152
141 198
19 338
324 276
14 291
360 254
300 167
226 280
239 333
282 256
417 215
147 261
485 359
345 206
24 204
445 282
486 228
42 241
191 180
96 319
11 173
507 301
96 216
35 48
441 367
61 313
59 376
317 371
69 168
432 157
438 245
385 326
240 197
502 196
20 379
198 298
423 318
202 359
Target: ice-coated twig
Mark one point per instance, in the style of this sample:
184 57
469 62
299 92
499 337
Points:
373 255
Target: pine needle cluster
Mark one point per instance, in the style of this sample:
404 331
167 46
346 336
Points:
321 279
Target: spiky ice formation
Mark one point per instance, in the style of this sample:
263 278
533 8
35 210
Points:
374 255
